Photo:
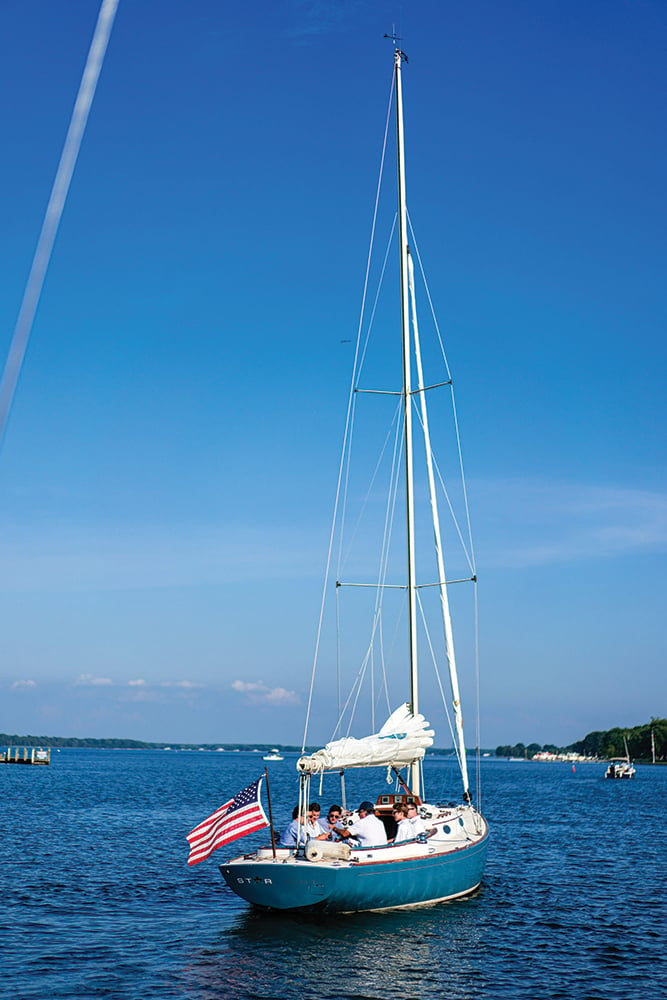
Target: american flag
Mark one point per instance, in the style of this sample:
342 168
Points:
241 815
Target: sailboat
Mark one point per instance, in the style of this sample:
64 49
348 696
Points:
445 860
621 767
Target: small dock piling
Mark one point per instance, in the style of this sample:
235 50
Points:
25 755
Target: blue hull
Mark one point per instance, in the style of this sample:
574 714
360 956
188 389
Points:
297 884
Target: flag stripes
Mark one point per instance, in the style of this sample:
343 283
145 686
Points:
236 818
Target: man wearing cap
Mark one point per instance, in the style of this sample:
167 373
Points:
368 831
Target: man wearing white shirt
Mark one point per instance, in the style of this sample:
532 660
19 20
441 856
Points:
368 831
415 820
412 826
315 828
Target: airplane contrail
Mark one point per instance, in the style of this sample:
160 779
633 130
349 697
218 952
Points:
54 210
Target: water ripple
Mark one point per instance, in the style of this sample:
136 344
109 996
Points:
98 901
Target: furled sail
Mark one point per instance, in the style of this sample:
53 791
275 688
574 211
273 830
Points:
402 740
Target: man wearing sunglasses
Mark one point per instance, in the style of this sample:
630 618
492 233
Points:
334 816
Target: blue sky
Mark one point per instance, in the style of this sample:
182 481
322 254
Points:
168 470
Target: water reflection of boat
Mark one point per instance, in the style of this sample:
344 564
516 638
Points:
372 941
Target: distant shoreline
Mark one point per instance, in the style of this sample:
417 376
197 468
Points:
138 746
643 743
90 743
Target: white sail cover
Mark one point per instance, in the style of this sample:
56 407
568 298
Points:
402 740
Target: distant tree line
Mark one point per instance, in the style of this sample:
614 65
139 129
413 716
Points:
597 744
609 743
528 752
77 743
12 739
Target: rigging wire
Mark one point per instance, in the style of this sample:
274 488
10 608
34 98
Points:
371 320
383 566
434 661
469 550
348 417
469 556
375 648
454 410
353 533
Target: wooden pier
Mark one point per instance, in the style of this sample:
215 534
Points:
25 755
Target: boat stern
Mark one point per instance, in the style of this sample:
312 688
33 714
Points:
283 882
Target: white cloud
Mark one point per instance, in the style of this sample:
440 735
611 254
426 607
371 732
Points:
516 523
89 680
141 694
258 692
528 523
66 557
281 696
153 691
246 686
26 685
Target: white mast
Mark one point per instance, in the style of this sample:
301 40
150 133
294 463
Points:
442 580
415 780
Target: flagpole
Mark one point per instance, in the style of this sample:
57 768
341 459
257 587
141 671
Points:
268 795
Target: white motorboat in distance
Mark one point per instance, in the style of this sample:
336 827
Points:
621 767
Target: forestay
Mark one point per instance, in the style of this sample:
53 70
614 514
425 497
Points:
402 740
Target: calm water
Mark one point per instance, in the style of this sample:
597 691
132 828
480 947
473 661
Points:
97 900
